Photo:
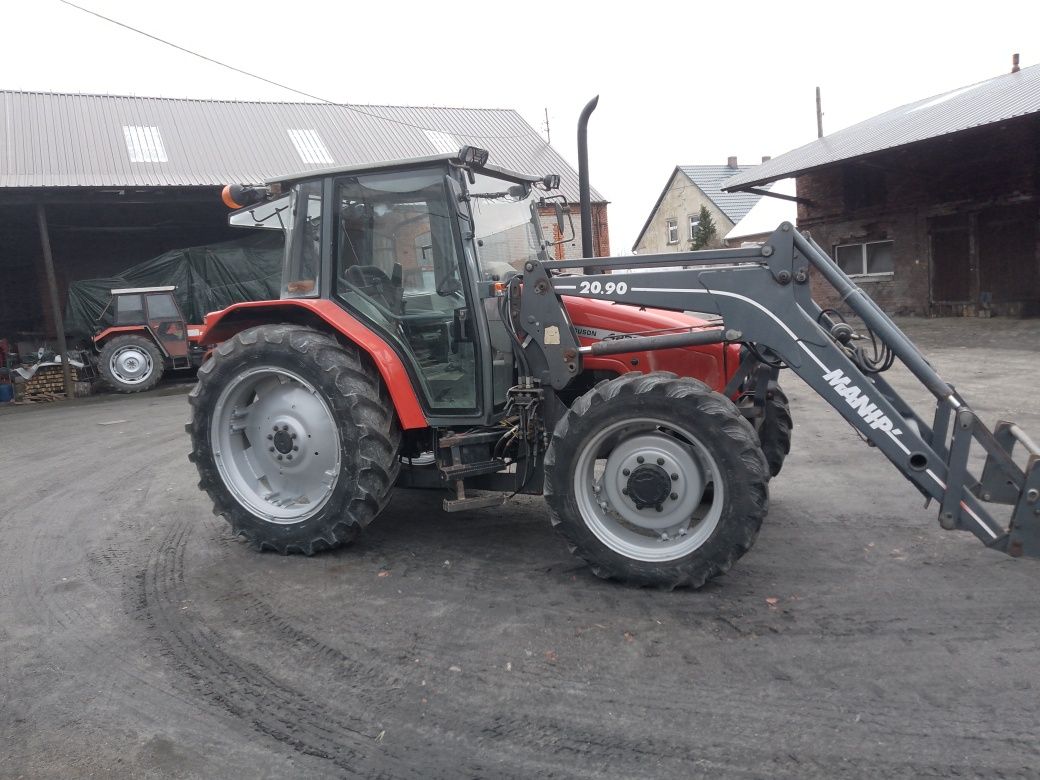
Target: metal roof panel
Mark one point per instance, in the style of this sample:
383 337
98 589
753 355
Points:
995 100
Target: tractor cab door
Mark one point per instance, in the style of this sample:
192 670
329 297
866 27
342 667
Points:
399 265
167 323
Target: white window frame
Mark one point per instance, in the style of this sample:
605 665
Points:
671 227
863 257
694 221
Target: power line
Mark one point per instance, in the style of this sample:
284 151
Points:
279 84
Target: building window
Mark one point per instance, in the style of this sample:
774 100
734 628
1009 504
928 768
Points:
873 258
672 226
694 222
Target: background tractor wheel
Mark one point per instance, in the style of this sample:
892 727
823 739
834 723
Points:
295 438
131 364
656 480
775 431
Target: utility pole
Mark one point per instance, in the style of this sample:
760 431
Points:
52 286
819 115
548 135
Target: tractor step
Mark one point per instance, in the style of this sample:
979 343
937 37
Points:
473 502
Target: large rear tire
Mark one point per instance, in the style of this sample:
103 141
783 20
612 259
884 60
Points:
295 438
131 363
656 480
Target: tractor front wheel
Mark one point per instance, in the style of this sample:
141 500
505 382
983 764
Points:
131 364
295 438
656 480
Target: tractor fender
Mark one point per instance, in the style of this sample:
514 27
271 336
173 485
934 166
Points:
594 320
120 330
323 315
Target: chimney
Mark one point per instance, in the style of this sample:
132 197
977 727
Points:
732 162
766 158
1014 63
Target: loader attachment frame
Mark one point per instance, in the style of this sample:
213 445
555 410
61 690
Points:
763 296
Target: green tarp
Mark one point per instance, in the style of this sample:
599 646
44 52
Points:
207 278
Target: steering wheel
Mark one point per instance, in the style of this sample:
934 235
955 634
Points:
374 282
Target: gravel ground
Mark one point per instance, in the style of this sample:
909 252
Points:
139 639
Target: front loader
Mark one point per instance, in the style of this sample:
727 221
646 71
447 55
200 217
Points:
425 339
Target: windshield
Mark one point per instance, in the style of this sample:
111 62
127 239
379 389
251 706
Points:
506 227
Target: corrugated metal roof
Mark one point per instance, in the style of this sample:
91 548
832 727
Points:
70 140
768 213
710 178
995 100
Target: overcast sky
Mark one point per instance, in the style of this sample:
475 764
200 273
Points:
680 83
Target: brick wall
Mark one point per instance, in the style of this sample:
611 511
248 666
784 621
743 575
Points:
572 249
901 194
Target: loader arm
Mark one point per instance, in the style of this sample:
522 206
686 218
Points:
763 296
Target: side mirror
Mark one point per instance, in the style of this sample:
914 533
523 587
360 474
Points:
564 220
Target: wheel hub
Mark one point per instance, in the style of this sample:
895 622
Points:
649 486
283 440
276 444
131 365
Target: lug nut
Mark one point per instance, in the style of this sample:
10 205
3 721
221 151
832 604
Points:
279 457
285 427
660 461
624 491
640 459
674 496
270 436
675 477
293 436
295 449
625 472
270 449
658 508
288 457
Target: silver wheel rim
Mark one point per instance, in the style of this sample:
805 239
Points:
276 444
131 364
644 448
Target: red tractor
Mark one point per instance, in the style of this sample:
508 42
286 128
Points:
425 339
149 336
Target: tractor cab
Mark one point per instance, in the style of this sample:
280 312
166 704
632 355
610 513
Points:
421 252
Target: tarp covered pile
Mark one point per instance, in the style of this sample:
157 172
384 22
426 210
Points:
207 278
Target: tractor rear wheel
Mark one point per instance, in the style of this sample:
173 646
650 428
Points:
656 480
295 438
131 363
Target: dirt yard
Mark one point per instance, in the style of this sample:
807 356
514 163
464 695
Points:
139 639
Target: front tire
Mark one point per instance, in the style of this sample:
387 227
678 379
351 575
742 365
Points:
295 438
131 364
656 480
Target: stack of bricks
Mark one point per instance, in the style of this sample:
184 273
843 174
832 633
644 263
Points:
47 384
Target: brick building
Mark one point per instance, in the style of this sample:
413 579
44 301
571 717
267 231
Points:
932 207
119 180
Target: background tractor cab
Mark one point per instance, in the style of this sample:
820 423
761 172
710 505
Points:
147 336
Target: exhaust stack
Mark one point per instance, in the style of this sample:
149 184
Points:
583 180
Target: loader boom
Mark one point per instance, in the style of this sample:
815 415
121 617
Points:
763 296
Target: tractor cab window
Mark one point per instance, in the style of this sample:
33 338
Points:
303 242
398 267
129 309
506 227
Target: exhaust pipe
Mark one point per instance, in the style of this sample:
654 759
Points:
583 181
